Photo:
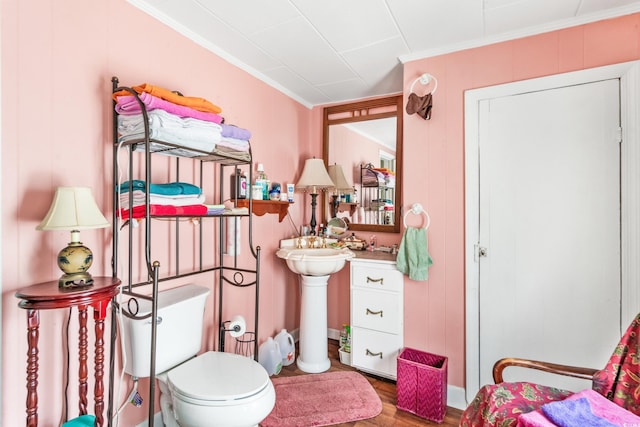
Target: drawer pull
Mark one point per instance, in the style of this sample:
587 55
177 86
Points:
380 280
379 354
374 312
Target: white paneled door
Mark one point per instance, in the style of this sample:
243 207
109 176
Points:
549 228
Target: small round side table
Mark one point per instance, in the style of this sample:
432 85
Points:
47 295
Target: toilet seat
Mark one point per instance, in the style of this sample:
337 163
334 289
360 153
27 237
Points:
214 378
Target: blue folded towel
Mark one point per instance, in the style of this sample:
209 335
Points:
574 413
413 254
81 421
169 189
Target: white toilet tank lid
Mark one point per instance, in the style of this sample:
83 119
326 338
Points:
217 376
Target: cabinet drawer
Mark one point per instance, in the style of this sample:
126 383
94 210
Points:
379 311
376 352
388 279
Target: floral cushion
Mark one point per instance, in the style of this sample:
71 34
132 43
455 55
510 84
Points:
501 404
619 381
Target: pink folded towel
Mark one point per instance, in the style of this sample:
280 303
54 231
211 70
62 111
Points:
128 105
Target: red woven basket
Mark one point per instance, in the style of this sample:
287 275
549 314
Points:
422 384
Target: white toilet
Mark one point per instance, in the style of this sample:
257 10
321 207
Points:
212 389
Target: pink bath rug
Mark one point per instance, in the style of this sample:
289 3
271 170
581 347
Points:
322 400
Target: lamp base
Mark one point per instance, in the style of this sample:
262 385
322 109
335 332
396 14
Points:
75 280
74 261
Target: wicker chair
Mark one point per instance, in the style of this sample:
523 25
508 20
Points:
502 403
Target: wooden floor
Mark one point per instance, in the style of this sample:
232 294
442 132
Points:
390 415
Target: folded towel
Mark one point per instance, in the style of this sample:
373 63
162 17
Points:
163 210
574 413
169 189
199 104
413 255
234 143
235 132
81 421
139 198
128 105
600 406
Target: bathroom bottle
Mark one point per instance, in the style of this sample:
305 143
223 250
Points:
287 347
238 185
261 179
269 356
343 336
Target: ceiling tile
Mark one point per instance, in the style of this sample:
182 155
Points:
300 48
591 6
192 20
253 16
374 63
349 24
306 93
431 24
527 13
347 89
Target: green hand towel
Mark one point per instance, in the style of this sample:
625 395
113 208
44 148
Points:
413 256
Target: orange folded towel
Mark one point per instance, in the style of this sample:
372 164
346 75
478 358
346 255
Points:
199 104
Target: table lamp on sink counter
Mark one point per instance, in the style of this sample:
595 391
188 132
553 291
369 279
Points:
74 209
314 177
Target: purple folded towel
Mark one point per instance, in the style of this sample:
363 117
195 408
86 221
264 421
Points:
574 413
232 131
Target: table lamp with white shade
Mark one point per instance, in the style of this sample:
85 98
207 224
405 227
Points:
74 209
342 186
314 176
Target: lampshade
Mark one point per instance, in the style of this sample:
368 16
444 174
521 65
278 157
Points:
73 208
337 176
314 176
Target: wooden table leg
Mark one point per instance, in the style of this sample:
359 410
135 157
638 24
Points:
83 372
99 314
33 324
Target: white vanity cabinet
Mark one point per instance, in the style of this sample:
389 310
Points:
377 313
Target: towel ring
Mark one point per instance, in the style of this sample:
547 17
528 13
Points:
425 79
417 209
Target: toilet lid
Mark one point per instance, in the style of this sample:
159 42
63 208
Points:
218 376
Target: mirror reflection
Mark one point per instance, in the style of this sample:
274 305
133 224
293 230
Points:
363 152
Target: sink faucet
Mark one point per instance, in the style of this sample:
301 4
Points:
311 241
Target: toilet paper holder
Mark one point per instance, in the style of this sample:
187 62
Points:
236 328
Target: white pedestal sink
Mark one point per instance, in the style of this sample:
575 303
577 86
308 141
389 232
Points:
314 265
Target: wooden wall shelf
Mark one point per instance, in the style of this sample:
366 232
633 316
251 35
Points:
261 207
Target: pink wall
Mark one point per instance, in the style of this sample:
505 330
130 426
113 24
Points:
434 159
56 130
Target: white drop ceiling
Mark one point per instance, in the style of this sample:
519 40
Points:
328 51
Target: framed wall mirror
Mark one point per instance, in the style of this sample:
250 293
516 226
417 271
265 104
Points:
363 152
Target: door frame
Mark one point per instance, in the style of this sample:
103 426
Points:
629 75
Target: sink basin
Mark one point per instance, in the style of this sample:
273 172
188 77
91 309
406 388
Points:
315 261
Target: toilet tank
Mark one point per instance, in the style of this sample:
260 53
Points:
178 334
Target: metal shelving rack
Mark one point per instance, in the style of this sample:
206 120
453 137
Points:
227 270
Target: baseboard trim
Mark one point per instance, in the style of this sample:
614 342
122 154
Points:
456 397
